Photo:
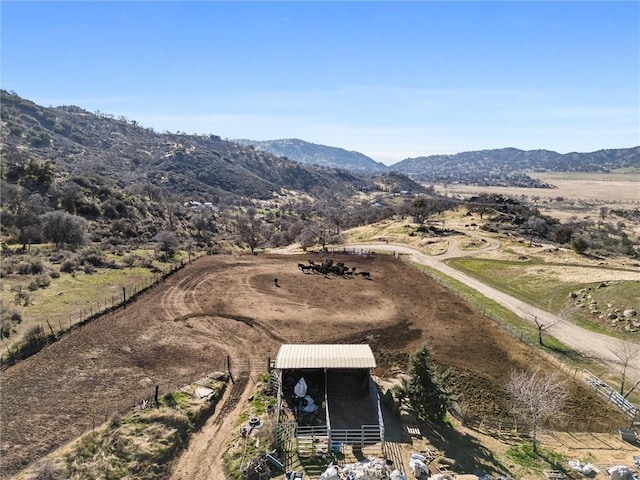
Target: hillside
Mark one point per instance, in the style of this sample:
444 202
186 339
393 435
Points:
507 166
204 167
320 155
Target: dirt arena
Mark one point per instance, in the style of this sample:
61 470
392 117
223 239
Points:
231 306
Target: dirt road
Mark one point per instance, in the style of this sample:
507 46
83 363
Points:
593 345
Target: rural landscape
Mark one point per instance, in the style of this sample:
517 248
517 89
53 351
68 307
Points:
142 268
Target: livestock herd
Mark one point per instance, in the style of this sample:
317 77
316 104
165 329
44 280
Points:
327 267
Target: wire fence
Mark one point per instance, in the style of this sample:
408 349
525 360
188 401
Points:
227 368
594 424
49 332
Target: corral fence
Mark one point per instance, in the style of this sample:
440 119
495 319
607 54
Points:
49 332
146 398
610 394
143 399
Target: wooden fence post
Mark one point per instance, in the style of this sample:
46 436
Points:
229 369
124 298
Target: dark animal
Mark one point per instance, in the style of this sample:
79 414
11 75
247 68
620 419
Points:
366 275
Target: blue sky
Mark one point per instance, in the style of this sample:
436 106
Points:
389 79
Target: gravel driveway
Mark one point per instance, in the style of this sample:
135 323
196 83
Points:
591 344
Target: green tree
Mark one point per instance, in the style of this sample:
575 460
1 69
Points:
421 209
424 390
63 228
579 245
167 242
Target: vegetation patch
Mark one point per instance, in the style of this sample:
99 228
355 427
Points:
596 305
140 445
535 462
255 433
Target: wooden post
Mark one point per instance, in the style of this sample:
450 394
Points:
124 298
51 328
155 396
229 369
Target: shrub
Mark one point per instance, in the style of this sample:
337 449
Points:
42 281
35 336
69 265
9 318
22 297
130 260
31 266
579 245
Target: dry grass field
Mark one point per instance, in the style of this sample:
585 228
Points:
575 194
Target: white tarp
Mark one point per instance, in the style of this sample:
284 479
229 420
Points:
301 388
308 405
418 464
585 468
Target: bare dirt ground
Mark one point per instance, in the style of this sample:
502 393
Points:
229 306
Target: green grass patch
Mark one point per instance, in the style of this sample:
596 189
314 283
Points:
530 283
535 462
516 279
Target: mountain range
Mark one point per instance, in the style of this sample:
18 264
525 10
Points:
505 166
80 141
320 155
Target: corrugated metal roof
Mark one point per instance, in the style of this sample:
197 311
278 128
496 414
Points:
325 356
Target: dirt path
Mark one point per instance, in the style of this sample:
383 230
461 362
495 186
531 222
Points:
202 459
593 345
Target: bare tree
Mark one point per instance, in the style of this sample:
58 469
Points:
320 232
167 242
626 352
539 325
536 397
249 228
537 227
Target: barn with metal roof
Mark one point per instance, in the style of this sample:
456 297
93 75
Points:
327 396
325 356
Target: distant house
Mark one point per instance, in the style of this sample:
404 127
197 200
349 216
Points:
327 398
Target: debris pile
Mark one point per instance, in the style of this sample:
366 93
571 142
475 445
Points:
585 468
620 472
370 469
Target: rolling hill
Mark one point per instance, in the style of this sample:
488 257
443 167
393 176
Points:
78 141
320 155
